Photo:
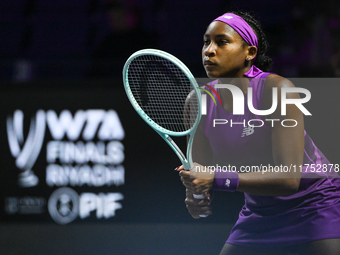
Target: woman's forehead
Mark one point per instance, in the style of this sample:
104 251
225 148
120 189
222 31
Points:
218 27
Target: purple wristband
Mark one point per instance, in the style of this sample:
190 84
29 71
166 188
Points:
225 181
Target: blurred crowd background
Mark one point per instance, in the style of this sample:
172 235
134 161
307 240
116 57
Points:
91 39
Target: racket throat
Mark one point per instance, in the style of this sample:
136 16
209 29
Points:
178 151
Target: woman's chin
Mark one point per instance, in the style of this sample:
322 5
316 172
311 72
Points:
211 75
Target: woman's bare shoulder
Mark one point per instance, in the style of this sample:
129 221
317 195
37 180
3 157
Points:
277 81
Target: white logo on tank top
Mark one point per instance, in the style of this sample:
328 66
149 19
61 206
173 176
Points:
247 131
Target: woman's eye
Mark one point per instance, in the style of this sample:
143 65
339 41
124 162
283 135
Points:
206 42
224 42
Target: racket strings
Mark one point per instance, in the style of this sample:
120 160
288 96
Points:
163 92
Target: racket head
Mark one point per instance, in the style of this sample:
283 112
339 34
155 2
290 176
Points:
161 88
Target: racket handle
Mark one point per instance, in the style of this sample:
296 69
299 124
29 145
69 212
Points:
200 196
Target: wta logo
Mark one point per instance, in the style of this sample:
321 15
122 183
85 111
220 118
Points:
26 152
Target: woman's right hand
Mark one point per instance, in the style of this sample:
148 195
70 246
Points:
197 184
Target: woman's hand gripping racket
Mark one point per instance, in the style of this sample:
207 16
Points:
166 95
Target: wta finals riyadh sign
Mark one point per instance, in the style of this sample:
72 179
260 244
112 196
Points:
85 150
105 124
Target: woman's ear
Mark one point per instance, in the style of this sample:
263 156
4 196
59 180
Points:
251 53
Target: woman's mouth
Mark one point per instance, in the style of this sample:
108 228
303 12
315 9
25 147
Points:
208 63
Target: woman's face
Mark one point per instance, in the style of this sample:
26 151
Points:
224 51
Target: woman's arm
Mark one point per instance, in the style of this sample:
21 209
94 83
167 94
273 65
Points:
287 147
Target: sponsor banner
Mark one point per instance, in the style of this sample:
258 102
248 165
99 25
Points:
83 148
63 155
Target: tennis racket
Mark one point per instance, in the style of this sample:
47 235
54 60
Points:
166 95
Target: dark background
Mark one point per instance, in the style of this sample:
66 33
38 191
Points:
91 39
69 54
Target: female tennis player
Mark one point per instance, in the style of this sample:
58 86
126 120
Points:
287 203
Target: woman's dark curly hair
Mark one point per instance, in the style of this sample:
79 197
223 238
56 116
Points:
262 61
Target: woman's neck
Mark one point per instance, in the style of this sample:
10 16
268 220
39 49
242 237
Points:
241 83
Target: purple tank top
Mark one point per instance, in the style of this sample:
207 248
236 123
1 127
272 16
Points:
239 146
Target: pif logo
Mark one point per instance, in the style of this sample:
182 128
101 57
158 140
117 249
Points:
65 205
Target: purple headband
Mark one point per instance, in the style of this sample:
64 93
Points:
240 26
